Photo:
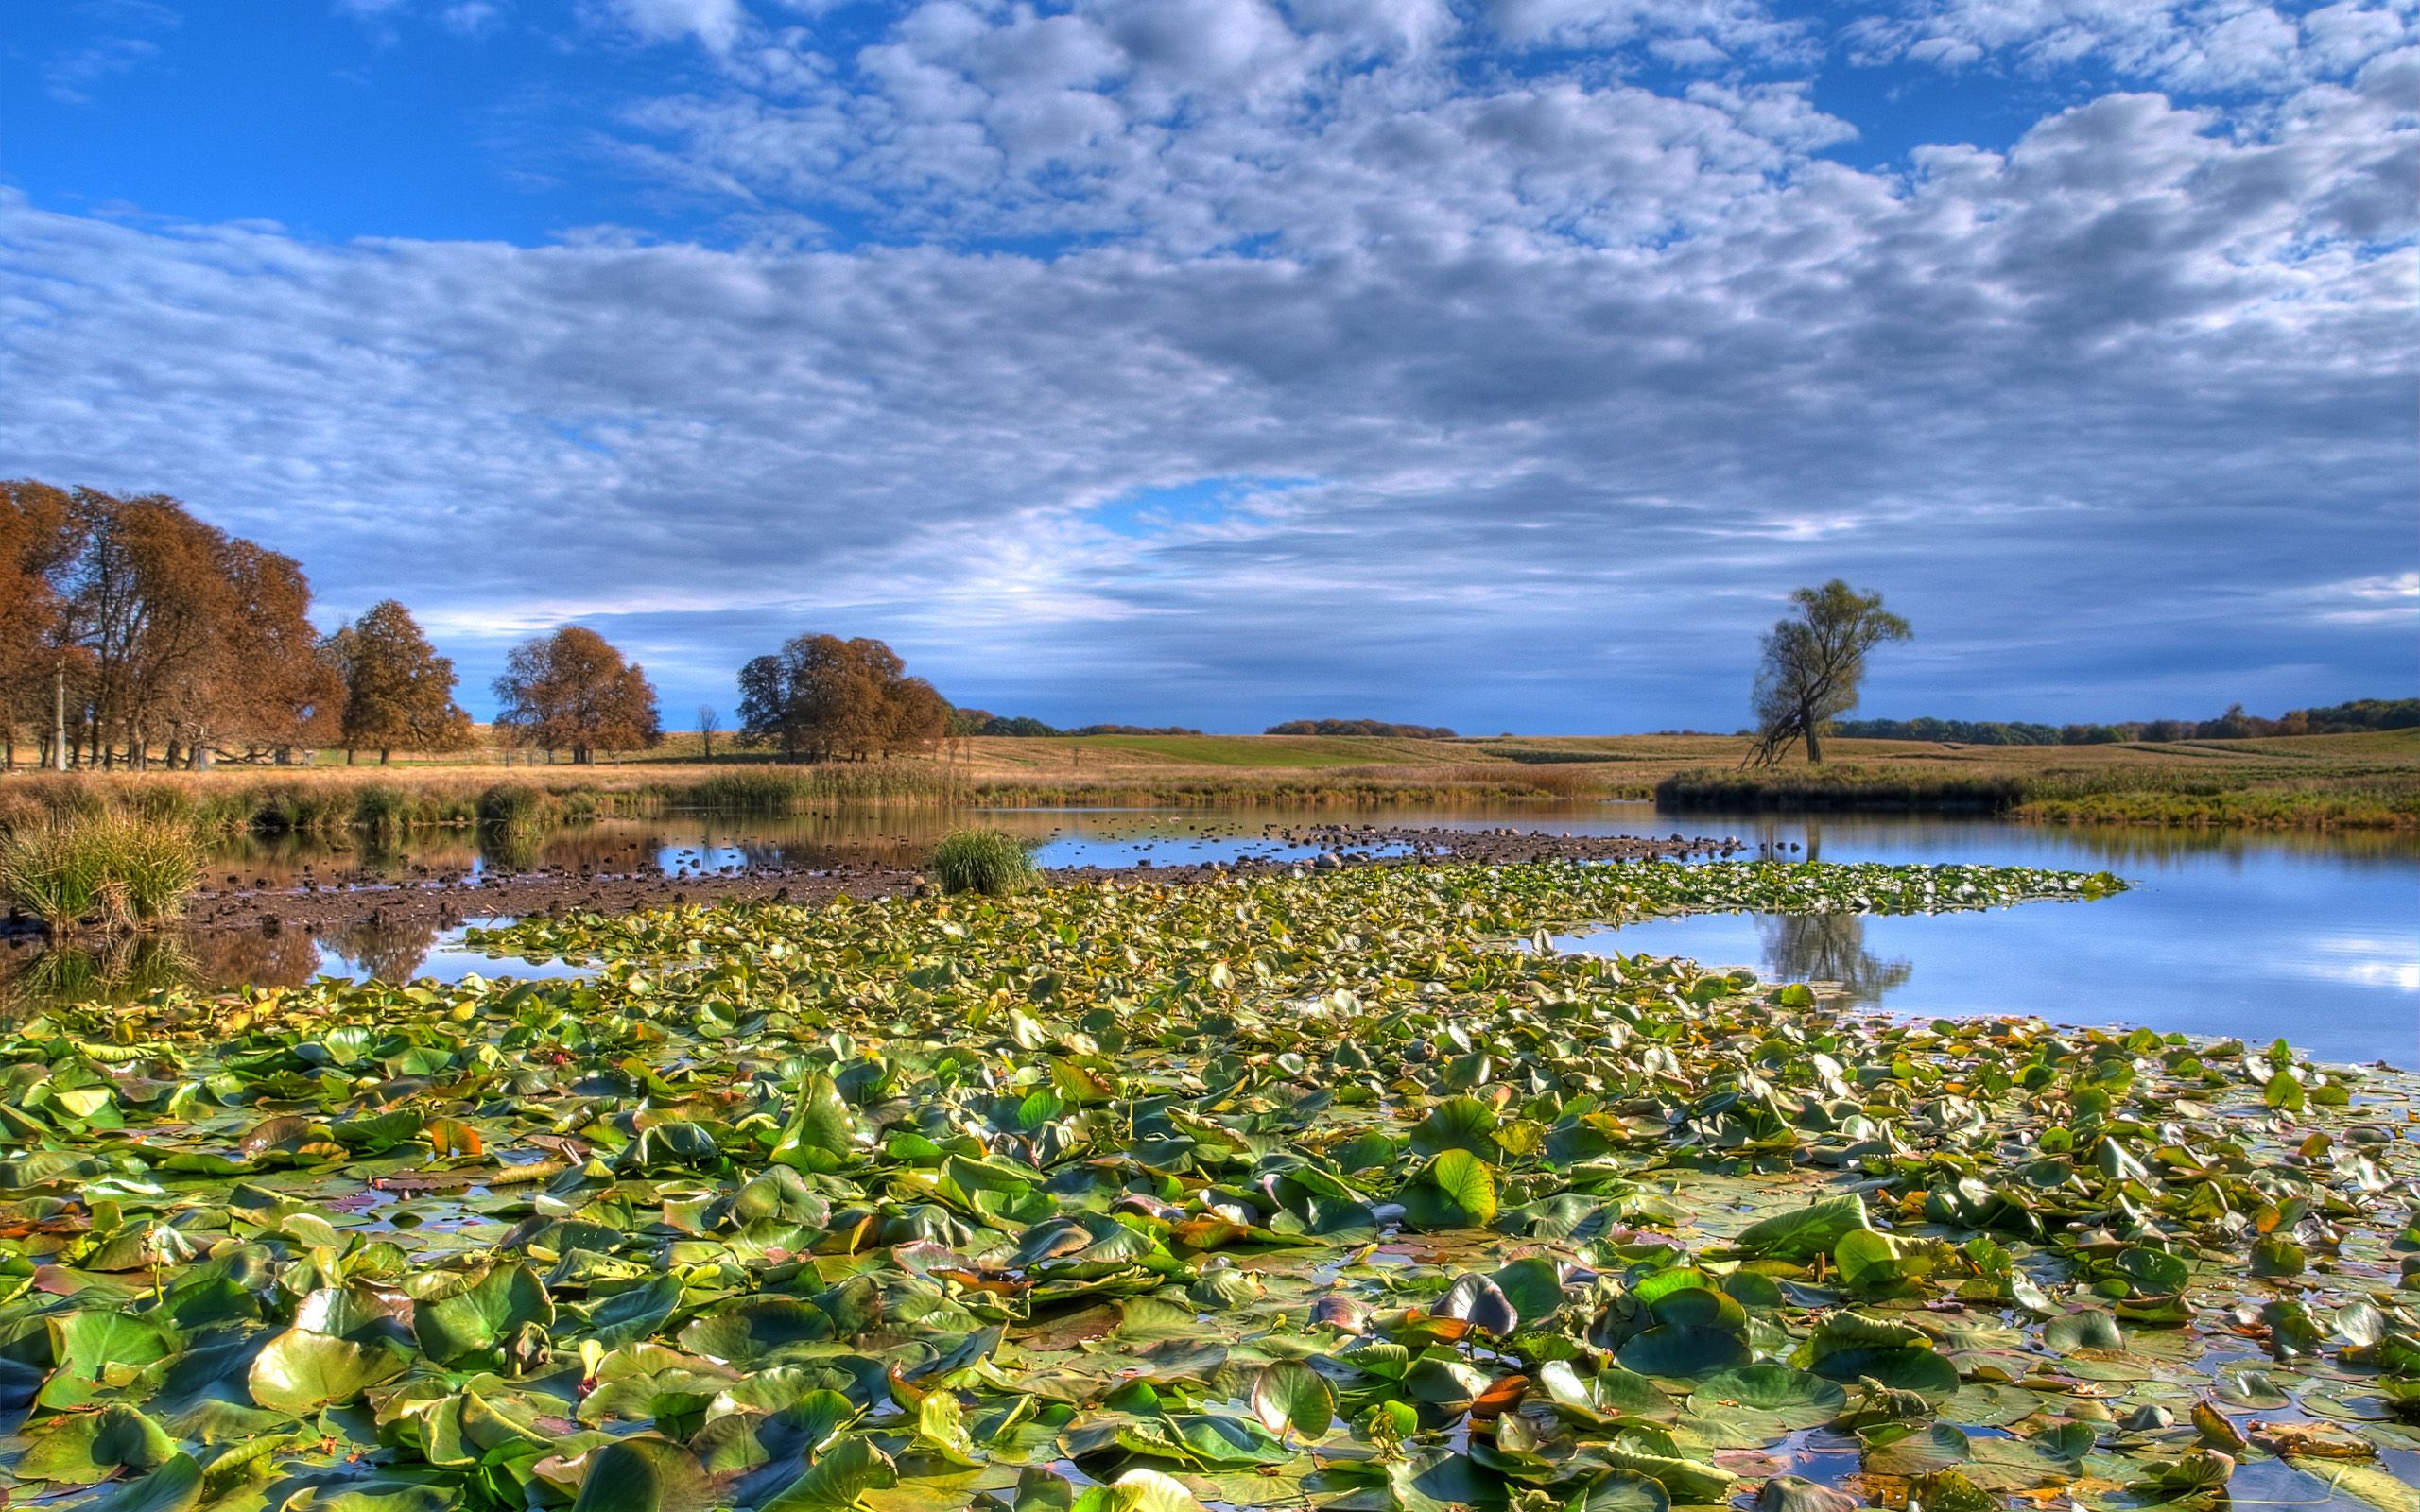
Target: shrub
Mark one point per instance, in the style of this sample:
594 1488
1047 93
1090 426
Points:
984 861
114 872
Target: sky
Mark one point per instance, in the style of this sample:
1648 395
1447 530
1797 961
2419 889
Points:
1498 364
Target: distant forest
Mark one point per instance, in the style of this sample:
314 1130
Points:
1362 727
2335 719
984 722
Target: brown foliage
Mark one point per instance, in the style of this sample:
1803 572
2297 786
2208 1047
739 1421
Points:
572 691
167 634
826 698
399 693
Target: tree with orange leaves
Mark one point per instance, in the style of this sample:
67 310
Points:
572 691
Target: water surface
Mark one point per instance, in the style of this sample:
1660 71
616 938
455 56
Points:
2309 935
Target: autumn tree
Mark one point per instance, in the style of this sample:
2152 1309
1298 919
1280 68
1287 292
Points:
399 693
38 540
1813 664
826 698
572 691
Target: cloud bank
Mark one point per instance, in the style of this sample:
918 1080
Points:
1209 361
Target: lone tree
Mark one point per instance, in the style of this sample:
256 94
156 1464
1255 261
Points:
572 691
1813 663
824 697
399 693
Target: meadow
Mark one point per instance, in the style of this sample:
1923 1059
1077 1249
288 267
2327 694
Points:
2358 780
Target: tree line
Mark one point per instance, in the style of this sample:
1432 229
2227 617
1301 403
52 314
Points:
134 635
1362 727
2361 715
984 722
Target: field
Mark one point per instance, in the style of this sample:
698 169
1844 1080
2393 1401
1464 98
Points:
2366 781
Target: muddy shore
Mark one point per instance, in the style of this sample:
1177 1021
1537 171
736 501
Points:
444 897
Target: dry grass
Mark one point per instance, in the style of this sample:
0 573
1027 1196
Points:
2323 779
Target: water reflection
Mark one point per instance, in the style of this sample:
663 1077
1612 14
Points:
2256 933
1828 948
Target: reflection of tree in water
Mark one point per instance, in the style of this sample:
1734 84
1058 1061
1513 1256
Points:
100 971
390 950
232 957
1828 948
121 969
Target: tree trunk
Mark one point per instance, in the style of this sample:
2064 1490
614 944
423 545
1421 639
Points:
1814 742
386 754
347 755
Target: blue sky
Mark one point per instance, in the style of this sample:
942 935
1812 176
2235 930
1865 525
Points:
1498 364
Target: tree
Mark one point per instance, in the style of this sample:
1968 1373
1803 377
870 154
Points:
274 690
827 697
1813 663
152 603
572 691
399 693
708 722
39 539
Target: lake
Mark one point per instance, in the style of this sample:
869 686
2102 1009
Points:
2311 936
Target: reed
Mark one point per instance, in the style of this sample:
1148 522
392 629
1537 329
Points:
984 861
111 874
1840 787
517 807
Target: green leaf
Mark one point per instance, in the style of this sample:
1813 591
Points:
1680 1351
821 1131
1145 1490
1291 1396
471 1323
837 1478
2388 1493
175 1487
642 1475
100 1351
300 1371
1457 1124
88 1447
1804 1233
1454 1190
2089 1330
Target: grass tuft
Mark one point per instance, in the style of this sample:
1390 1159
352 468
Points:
512 806
113 872
984 861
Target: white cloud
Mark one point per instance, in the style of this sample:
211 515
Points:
717 24
1563 353
2202 45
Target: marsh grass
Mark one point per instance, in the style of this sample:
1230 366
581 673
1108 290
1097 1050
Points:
112 873
516 807
984 861
1840 787
2232 788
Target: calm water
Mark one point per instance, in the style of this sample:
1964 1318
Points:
2316 937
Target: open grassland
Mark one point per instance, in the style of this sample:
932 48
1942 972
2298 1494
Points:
2361 780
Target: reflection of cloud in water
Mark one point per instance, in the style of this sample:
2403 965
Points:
2387 963
1828 948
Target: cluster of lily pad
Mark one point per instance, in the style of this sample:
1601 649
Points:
1345 1191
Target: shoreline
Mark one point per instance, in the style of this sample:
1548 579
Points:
447 900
